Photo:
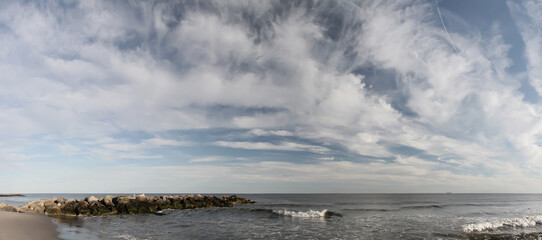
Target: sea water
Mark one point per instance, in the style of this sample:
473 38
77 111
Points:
322 216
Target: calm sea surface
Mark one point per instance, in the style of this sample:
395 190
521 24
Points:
323 216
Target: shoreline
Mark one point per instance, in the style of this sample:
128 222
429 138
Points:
27 226
35 220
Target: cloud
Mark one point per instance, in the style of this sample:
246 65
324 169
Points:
209 159
261 132
527 15
217 159
282 146
144 144
326 158
165 142
175 84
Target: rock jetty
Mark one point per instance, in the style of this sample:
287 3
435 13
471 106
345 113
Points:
11 195
110 205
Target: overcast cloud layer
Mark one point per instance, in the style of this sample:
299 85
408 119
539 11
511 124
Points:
270 96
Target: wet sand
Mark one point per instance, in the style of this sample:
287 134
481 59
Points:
25 226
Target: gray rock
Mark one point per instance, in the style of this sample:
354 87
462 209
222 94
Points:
91 199
108 201
34 206
59 200
7 208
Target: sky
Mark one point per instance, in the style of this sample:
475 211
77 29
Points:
240 96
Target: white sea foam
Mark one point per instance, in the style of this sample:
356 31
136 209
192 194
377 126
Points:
127 237
522 222
301 214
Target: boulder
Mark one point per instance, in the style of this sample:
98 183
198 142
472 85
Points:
142 198
122 199
34 206
97 208
122 203
82 208
236 199
53 210
59 200
159 203
91 199
48 202
141 204
69 208
108 201
4 207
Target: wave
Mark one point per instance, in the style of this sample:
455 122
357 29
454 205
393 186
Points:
413 207
369 209
294 205
423 206
521 222
433 206
301 214
306 214
126 237
501 236
477 204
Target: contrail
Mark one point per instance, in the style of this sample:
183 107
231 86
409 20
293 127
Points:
445 30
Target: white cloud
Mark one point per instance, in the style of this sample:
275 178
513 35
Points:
528 15
165 142
209 159
104 68
326 158
261 132
282 146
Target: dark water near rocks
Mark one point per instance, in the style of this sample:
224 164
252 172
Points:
323 216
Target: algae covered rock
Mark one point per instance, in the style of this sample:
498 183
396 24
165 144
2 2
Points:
82 208
97 208
69 208
53 210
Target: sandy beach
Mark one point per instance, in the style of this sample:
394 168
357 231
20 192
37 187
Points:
24 226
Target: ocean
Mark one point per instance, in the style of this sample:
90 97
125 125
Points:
322 216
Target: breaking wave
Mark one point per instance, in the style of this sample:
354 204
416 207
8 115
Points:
522 222
306 214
